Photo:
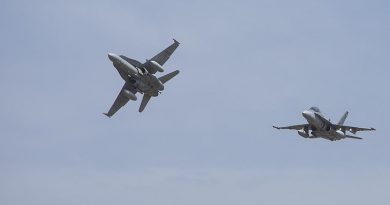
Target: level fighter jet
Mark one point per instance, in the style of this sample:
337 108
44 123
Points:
140 77
319 127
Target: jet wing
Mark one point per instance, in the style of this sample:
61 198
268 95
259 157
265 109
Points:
121 100
164 55
353 129
343 127
292 127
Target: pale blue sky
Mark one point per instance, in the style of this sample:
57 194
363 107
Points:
208 139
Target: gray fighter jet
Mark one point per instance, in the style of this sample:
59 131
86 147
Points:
140 77
319 127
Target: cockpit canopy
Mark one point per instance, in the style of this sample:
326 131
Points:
315 109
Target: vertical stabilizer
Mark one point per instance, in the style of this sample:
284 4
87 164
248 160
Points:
342 119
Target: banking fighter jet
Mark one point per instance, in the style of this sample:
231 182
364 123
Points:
140 78
319 127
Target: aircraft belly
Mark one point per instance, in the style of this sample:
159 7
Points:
329 135
338 134
322 133
151 87
148 90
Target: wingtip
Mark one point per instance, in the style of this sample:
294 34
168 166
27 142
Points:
276 127
176 41
106 114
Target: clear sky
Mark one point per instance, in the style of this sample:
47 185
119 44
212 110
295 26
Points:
208 139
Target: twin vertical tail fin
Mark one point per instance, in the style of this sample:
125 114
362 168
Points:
341 122
342 119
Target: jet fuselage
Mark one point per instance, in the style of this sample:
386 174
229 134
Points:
319 127
139 77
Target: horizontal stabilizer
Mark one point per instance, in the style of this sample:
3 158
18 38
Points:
144 102
168 76
353 137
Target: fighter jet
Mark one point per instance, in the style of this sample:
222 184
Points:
140 77
319 127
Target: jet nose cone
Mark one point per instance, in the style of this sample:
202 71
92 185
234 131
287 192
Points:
111 56
306 114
